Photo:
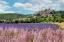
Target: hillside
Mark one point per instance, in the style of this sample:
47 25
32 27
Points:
10 16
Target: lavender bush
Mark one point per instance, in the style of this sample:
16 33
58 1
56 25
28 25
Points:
21 35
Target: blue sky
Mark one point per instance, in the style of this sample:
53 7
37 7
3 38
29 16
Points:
29 6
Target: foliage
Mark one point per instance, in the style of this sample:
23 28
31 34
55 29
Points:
10 16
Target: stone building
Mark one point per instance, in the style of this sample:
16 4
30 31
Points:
45 13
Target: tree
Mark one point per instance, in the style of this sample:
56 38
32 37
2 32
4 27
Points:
16 21
57 17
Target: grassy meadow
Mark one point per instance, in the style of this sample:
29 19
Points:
60 24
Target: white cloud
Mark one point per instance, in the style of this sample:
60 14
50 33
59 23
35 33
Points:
1 11
26 6
3 6
61 4
36 5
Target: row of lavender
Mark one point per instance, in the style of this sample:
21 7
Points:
21 35
30 25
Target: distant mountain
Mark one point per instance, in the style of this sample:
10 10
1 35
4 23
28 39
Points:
10 16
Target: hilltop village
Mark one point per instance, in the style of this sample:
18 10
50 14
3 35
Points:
44 13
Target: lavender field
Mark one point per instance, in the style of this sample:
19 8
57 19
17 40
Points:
35 32
21 35
29 25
